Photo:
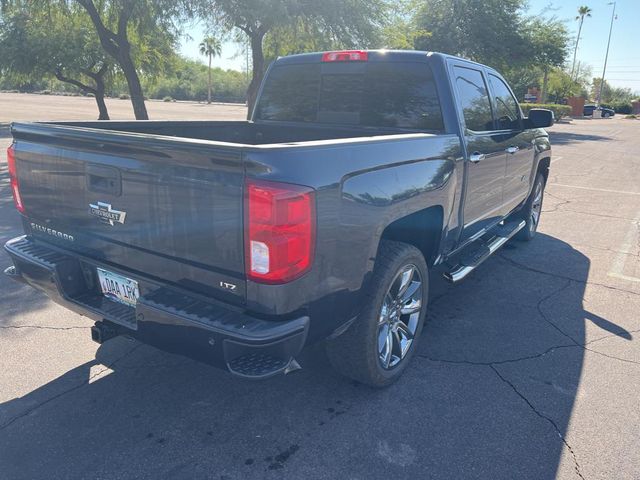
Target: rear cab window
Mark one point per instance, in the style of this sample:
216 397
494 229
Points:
399 95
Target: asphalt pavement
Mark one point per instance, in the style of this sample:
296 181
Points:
529 369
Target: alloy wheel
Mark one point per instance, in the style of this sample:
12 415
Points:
399 316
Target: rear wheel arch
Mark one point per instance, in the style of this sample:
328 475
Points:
422 229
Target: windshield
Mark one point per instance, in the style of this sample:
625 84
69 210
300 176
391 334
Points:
377 94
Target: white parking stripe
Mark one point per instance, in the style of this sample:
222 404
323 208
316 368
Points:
630 240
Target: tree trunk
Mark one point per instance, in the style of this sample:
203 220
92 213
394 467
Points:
117 46
575 51
209 91
257 56
98 92
133 81
545 81
103 113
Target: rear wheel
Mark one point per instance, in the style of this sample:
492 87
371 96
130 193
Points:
532 210
377 348
606 115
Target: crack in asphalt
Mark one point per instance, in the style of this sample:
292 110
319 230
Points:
613 357
497 362
604 337
573 344
522 266
40 327
554 208
576 465
596 214
69 390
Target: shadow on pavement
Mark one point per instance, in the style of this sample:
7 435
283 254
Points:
564 138
458 412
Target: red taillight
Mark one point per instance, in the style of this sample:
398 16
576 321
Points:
13 179
280 234
346 56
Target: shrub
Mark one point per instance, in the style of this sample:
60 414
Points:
46 92
622 107
167 99
631 117
123 96
559 111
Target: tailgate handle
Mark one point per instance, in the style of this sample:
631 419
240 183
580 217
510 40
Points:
103 179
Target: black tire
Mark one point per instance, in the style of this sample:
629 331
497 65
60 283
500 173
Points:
606 115
357 353
532 206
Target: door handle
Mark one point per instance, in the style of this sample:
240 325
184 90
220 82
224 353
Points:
476 157
103 179
512 149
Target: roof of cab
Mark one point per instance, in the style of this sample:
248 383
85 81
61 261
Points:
377 56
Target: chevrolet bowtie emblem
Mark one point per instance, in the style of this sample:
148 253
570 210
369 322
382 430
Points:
106 214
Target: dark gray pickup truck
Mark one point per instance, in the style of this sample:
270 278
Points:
239 243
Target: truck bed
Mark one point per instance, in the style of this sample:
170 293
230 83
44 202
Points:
180 186
237 132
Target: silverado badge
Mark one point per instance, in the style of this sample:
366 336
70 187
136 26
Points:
106 214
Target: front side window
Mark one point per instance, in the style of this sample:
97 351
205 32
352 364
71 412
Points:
507 110
474 99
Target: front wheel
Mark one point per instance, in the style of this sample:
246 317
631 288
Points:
532 210
377 348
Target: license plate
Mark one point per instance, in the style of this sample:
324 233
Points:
118 288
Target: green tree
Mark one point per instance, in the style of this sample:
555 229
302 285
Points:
487 31
30 41
561 84
583 12
351 22
611 94
211 47
548 42
138 35
115 21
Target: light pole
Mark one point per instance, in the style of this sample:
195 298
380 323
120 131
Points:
613 14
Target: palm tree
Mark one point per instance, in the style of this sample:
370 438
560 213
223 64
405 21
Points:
583 12
210 47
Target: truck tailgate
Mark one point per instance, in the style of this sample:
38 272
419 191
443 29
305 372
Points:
171 209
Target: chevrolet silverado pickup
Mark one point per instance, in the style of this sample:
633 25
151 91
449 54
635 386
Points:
238 243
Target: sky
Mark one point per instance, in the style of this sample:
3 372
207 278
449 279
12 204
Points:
623 66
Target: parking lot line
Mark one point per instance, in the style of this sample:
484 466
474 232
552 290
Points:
630 239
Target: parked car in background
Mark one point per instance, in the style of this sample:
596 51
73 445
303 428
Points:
606 111
239 243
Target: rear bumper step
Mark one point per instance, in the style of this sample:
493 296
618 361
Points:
474 258
167 318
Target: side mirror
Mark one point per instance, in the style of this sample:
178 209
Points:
539 118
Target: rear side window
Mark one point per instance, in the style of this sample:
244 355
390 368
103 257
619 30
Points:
374 94
474 99
507 110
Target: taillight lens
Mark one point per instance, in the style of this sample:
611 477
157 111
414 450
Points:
280 235
346 56
13 179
